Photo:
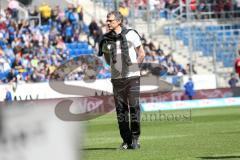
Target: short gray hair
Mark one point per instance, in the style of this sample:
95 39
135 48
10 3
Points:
118 16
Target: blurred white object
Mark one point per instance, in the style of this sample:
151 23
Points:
31 131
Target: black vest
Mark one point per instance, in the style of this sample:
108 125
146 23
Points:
109 39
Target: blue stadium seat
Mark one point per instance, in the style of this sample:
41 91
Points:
68 45
45 28
73 45
163 14
228 33
85 45
83 51
80 45
227 27
89 51
236 32
226 40
71 53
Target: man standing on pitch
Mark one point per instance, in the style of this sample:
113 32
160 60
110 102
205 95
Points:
123 50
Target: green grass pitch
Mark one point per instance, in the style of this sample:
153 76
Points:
169 135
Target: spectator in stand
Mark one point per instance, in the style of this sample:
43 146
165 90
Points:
171 4
237 7
147 63
93 27
53 34
123 9
153 8
11 30
60 43
142 4
152 48
45 11
68 33
79 11
34 62
233 81
72 16
11 77
34 13
3 25
8 14
95 31
55 12
127 3
171 69
13 6
180 70
160 57
202 7
4 64
159 70
17 64
193 5
189 89
228 7
189 69
144 40
9 52
60 15
219 9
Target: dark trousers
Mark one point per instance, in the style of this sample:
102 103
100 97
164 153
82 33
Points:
126 95
190 97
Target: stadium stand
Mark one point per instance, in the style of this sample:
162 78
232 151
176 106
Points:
35 49
210 31
206 38
32 51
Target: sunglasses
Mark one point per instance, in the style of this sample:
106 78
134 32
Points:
110 20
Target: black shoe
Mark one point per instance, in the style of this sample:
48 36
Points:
125 146
135 144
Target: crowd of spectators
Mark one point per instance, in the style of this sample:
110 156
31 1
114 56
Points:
215 8
157 8
31 52
159 63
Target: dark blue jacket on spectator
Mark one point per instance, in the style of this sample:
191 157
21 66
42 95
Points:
11 32
69 31
8 97
233 82
70 16
189 88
